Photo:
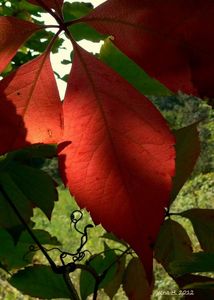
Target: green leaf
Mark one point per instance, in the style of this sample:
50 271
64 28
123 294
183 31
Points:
43 236
198 262
187 152
65 62
8 218
41 282
80 31
34 10
65 78
100 263
76 10
110 236
135 283
13 256
37 186
173 243
35 151
129 70
203 223
112 287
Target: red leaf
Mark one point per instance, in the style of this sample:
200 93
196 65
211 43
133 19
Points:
121 159
13 33
30 107
171 40
53 4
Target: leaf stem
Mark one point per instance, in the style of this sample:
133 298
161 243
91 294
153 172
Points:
50 45
57 17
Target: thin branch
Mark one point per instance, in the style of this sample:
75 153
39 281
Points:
52 13
21 219
58 270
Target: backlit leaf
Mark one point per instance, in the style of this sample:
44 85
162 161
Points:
171 40
121 157
13 33
203 223
41 282
135 283
32 92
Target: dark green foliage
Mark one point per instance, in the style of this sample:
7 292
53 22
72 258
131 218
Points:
40 281
187 149
80 31
14 256
198 262
202 221
176 243
101 264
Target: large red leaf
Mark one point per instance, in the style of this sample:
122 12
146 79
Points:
13 33
171 40
53 4
30 107
121 157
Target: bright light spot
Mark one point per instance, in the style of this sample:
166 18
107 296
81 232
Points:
8 4
65 50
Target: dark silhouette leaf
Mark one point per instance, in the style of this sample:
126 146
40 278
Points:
203 223
135 283
173 243
198 262
187 152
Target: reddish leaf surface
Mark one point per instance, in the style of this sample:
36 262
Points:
13 33
121 157
171 40
53 4
30 107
